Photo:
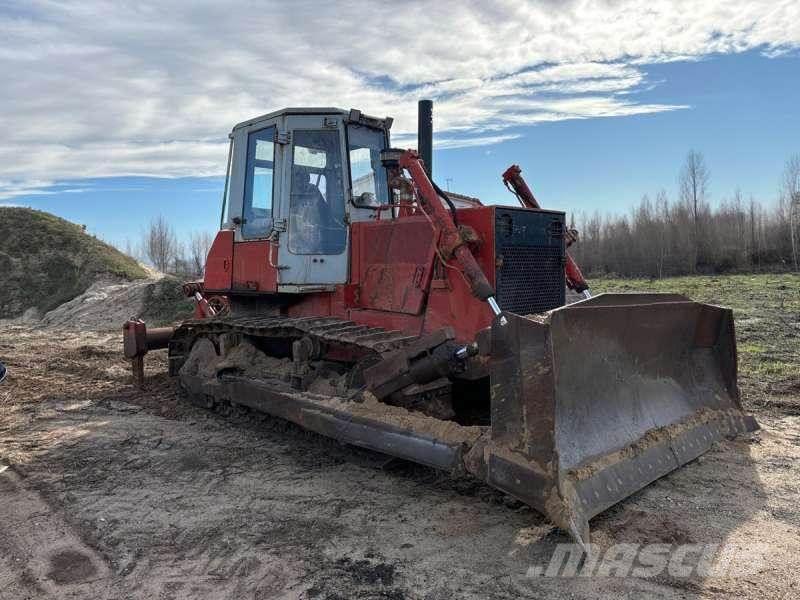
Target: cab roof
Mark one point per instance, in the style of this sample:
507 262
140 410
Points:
386 122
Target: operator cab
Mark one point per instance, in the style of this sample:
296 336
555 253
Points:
297 177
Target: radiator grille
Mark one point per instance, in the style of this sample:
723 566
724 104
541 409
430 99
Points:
530 280
529 249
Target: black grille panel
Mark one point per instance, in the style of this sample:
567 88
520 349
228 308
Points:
529 247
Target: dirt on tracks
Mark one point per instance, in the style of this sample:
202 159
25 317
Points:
113 492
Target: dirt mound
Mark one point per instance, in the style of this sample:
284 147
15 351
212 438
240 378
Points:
107 304
46 261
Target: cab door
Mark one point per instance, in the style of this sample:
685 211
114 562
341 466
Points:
313 212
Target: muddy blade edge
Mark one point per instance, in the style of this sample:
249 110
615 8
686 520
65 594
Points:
596 400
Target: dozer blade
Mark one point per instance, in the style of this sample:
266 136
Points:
593 401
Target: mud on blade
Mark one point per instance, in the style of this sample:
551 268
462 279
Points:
593 401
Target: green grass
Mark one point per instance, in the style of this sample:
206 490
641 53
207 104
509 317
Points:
766 310
46 261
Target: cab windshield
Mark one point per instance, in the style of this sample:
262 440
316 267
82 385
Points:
316 201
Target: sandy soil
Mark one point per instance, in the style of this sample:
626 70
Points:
111 492
109 302
102 305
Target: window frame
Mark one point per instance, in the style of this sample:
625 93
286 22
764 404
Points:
381 202
342 184
226 192
249 176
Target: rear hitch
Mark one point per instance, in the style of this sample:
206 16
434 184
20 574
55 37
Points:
138 341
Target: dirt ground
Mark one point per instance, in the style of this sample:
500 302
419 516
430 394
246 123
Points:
111 492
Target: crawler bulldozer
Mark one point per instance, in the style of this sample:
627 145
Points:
351 295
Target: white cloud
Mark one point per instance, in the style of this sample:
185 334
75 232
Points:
13 189
96 88
482 140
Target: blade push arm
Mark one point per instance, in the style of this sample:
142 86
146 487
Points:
450 241
512 178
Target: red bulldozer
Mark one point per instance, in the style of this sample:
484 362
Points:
348 293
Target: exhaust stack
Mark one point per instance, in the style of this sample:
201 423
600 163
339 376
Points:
425 134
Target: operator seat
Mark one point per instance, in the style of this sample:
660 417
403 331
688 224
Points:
303 191
311 215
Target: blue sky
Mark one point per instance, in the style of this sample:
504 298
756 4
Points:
113 125
743 114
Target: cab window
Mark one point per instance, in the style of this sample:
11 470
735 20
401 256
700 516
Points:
367 175
258 185
316 199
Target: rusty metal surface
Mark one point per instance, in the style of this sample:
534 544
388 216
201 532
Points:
134 338
418 363
137 341
372 425
158 337
602 397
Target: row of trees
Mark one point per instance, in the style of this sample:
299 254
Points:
161 247
663 237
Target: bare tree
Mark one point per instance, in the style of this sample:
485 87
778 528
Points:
129 249
199 245
694 180
754 250
662 215
655 240
791 196
160 243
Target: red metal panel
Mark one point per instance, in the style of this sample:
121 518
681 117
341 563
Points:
391 321
251 268
311 305
323 304
482 221
452 304
383 254
392 264
356 230
219 263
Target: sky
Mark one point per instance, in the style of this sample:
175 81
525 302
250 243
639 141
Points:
113 114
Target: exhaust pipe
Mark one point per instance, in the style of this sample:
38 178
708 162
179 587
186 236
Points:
425 134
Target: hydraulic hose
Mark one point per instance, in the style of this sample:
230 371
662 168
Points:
446 199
